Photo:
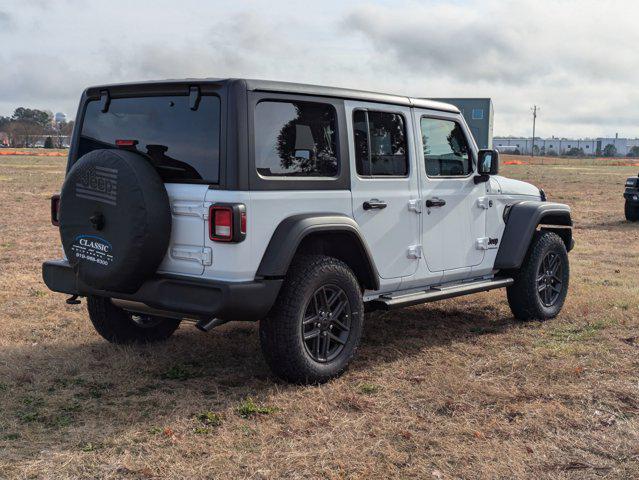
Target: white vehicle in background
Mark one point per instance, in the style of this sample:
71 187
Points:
299 206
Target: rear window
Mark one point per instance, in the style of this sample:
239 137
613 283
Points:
182 144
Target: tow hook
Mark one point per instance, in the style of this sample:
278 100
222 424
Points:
73 300
207 324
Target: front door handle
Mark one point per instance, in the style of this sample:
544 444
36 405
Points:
374 204
435 202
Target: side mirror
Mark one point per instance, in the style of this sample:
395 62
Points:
488 162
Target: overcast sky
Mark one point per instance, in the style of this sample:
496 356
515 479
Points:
577 60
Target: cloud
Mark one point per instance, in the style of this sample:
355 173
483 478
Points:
42 80
572 57
446 39
6 22
236 46
509 42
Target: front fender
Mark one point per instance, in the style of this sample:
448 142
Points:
522 221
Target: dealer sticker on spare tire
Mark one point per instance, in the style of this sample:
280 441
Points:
92 249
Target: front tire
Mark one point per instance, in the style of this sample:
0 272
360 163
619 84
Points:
315 326
541 285
631 211
119 326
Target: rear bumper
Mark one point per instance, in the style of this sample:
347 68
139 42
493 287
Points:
190 297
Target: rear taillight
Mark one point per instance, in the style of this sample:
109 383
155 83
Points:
55 210
222 224
227 222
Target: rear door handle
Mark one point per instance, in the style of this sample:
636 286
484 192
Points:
435 202
374 204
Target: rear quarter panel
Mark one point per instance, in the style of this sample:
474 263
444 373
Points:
265 211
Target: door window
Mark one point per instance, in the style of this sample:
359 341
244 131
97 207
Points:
380 144
446 150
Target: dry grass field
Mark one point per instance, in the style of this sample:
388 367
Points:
456 389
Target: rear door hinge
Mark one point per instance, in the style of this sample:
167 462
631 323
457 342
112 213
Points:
192 253
190 209
415 205
484 202
414 252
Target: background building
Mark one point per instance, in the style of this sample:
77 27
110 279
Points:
616 146
478 113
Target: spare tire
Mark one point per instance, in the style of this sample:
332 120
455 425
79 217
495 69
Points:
115 219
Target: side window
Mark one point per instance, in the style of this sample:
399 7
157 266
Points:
446 150
295 139
380 144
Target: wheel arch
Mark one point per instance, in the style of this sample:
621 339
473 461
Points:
334 235
523 219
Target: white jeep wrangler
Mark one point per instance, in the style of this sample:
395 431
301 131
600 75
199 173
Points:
299 206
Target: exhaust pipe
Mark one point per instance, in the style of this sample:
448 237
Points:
207 324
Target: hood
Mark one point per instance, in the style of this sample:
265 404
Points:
516 187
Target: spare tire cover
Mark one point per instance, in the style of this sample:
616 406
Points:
115 219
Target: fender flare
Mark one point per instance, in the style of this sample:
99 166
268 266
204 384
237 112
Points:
522 220
290 233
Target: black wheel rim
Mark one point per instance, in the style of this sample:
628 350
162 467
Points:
549 279
327 323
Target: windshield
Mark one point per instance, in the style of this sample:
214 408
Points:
182 144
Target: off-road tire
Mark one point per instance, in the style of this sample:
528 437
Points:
631 211
523 296
117 325
281 332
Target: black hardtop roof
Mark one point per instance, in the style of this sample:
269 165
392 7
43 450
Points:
285 87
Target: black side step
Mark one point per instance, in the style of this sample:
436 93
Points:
388 302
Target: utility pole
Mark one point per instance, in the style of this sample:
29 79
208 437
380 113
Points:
534 110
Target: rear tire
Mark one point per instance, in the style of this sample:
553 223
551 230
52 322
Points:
632 212
541 285
315 326
119 326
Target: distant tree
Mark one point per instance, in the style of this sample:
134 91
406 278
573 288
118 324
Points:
610 151
633 152
66 128
48 142
37 117
575 152
4 123
21 133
